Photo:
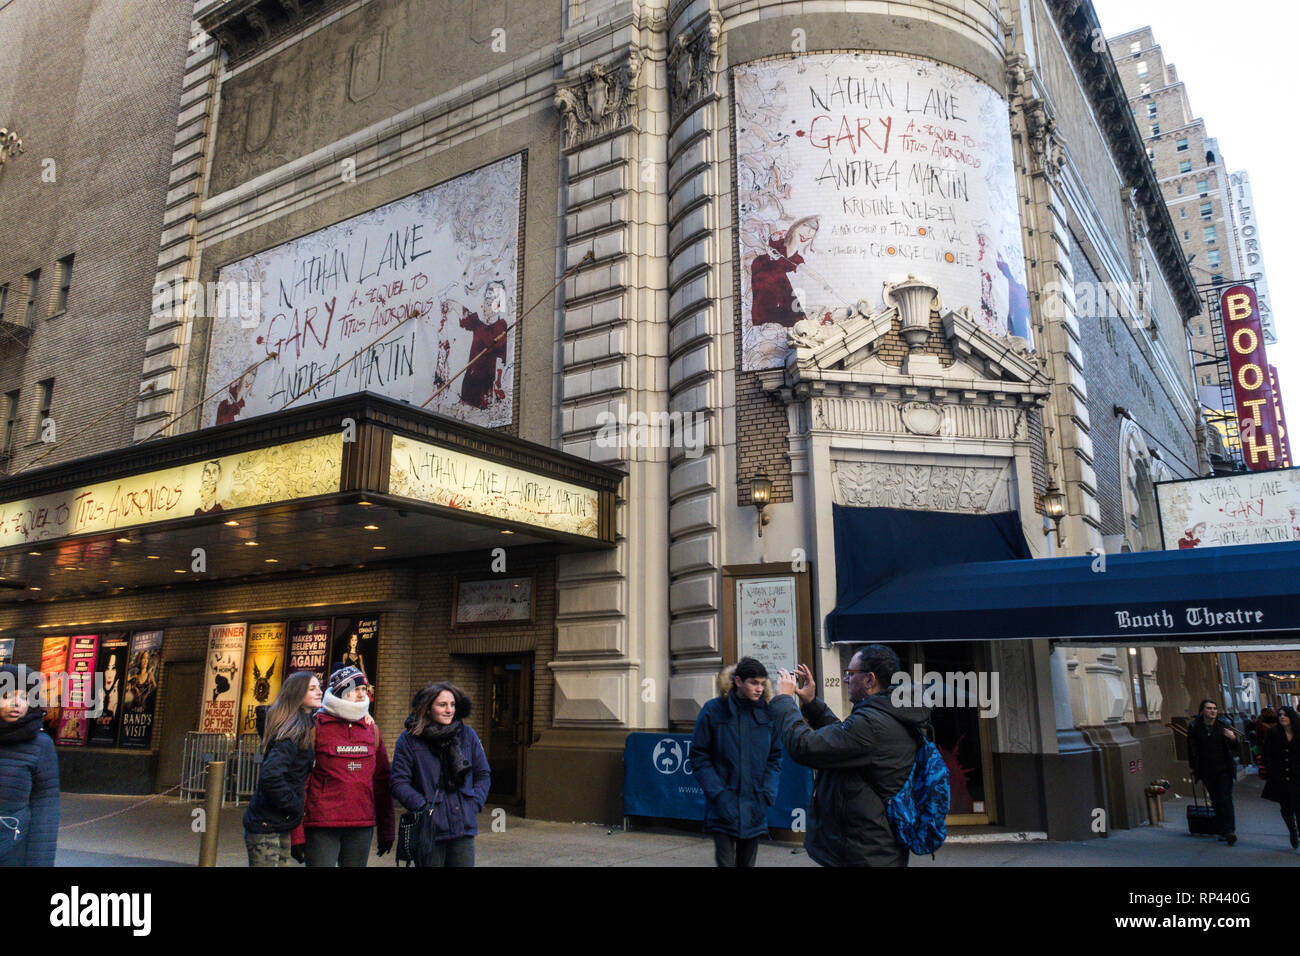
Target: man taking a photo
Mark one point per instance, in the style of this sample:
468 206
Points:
861 762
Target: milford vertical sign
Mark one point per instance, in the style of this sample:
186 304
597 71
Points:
1280 415
1260 441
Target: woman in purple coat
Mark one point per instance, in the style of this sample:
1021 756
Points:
439 764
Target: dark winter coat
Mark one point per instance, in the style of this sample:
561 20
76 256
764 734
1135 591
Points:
349 785
1282 767
1208 749
29 798
280 799
736 757
860 764
417 772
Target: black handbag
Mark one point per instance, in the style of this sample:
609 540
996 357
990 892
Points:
1201 818
415 833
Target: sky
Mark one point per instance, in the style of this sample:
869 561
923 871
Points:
1234 59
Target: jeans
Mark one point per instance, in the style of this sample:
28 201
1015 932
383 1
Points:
338 846
455 852
1219 786
733 851
268 849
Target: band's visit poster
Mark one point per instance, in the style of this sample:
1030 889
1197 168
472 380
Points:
74 721
140 695
6 650
111 663
263 672
333 307
309 644
218 711
857 169
54 664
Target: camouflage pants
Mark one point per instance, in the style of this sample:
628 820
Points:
268 849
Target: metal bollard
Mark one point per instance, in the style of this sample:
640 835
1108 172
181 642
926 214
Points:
216 787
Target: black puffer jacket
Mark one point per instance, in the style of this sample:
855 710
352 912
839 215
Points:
29 793
860 764
1208 749
277 804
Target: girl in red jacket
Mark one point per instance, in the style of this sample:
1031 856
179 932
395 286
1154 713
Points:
347 792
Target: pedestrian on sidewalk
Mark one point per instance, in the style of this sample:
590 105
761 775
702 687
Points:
440 769
860 763
288 754
348 796
1282 758
1210 746
29 778
736 758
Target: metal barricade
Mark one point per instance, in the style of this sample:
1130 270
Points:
247 766
198 751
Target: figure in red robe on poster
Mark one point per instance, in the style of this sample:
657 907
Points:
481 384
1192 536
229 408
774 298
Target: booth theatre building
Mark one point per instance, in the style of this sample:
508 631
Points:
570 348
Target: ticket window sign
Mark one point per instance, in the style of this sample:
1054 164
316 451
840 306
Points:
1256 420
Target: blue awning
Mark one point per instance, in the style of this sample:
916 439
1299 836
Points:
1147 597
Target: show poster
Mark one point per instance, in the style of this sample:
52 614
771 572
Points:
140 695
6 650
309 645
767 622
857 169
218 713
395 301
74 721
54 665
356 644
263 672
111 663
1258 508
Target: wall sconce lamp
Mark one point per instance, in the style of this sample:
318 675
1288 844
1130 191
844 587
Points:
760 496
1054 507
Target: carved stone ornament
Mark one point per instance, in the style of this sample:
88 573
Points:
10 144
920 487
599 101
921 418
693 65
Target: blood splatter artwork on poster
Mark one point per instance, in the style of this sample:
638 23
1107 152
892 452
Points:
855 169
402 300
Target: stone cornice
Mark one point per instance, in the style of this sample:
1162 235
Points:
243 27
1077 21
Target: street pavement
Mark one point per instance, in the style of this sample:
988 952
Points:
138 831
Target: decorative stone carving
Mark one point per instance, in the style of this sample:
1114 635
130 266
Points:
693 65
367 67
599 101
261 117
920 487
10 145
914 298
922 418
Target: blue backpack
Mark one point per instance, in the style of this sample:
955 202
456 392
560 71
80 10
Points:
919 810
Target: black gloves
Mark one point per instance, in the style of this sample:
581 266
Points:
385 846
299 852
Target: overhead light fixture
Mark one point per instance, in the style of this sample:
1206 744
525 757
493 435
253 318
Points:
33 589
379 547
232 523
506 531
372 527
153 557
37 553
178 571
760 496
251 544
123 540
272 560
365 504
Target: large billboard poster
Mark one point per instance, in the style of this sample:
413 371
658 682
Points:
263 672
218 712
140 695
333 306
1256 508
112 665
857 169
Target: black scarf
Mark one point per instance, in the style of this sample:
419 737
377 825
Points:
444 741
23 729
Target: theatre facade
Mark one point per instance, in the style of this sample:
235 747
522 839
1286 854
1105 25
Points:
569 349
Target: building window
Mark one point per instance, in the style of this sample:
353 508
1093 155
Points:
11 426
1151 110
1155 129
1151 153
1182 144
1179 189
1182 214
4 295
1142 68
1135 46
1217 279
65 282
1207 210
1187 236
1211 233
1185 166
1144 89
1214 259
1203 187
31 289
44 407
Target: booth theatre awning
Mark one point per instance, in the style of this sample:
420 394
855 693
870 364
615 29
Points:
355 480
1148 597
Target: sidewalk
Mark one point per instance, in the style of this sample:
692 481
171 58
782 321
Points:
159 834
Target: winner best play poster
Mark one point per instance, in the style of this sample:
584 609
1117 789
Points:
225 664
395 301
263 672
857 169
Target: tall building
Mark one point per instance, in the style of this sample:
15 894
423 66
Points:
569 349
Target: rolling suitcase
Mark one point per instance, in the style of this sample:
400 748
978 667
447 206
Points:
1200 817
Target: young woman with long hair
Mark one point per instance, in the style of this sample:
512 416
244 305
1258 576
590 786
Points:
288 754
29 778
1282 762
439 765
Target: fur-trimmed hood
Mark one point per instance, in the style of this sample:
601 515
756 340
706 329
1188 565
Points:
725 683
